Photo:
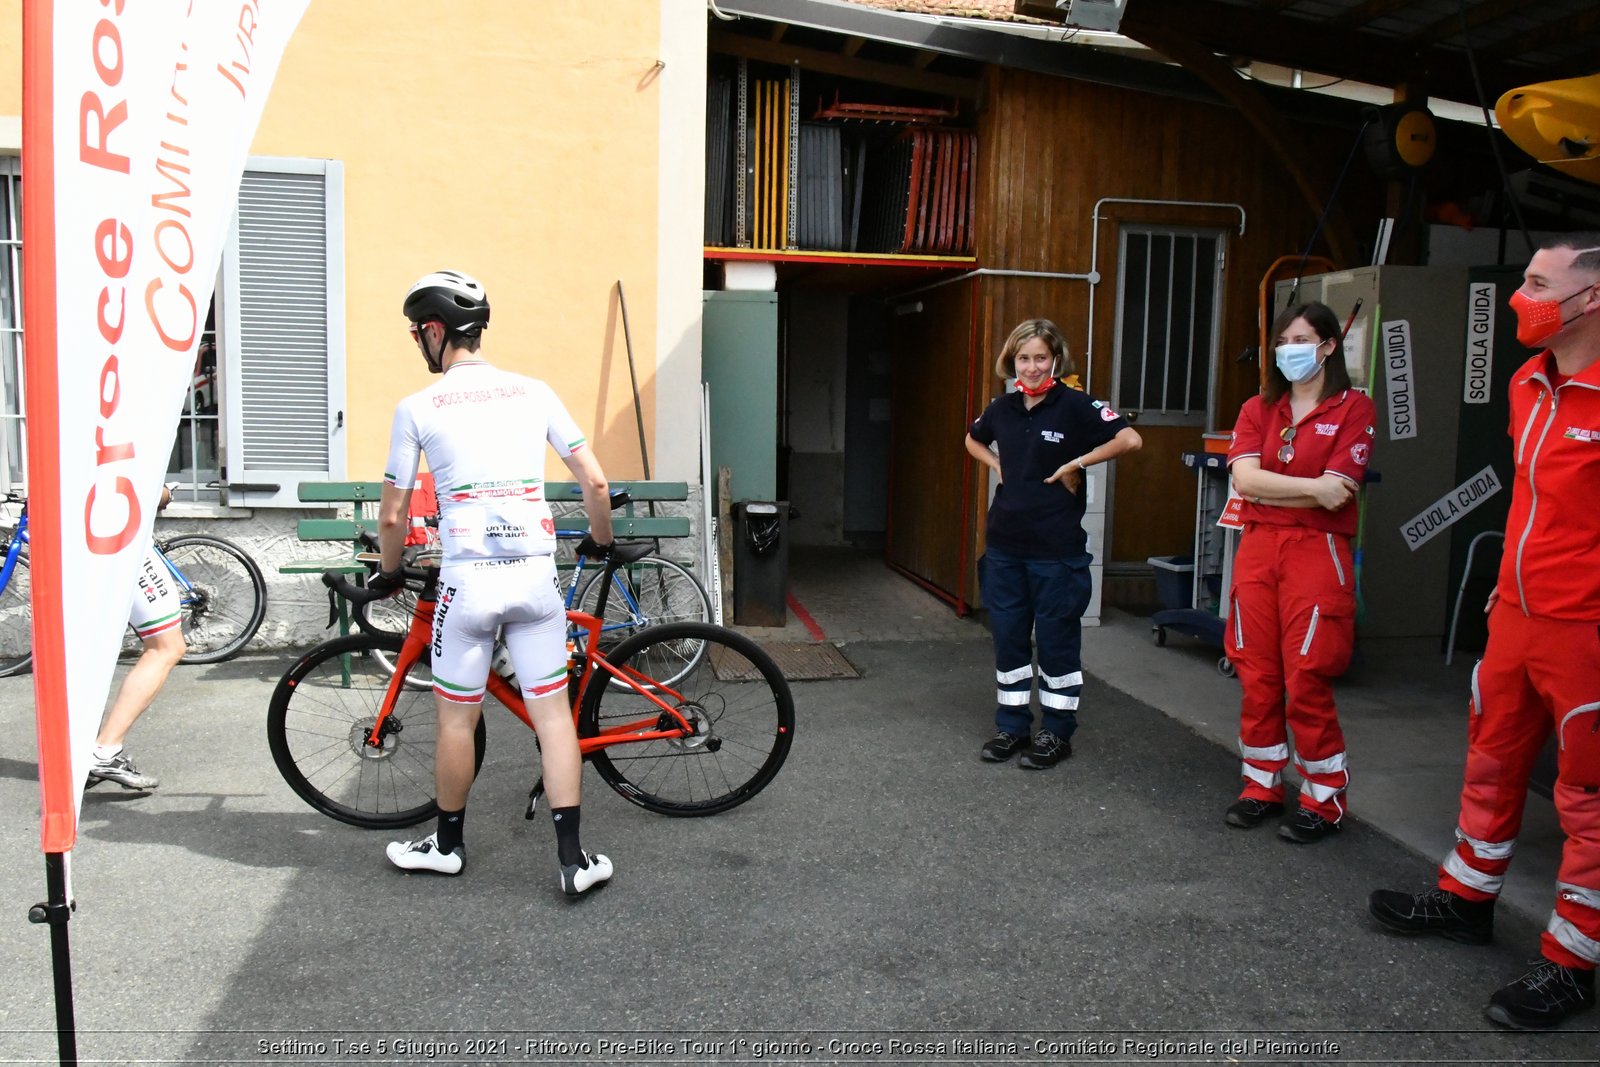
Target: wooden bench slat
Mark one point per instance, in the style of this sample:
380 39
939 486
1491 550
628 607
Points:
340 492
631 526
334 529
370 492
572 492
621 526
342 564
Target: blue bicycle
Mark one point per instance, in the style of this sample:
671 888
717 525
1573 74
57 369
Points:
223 594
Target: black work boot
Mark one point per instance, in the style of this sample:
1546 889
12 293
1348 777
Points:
1047 750
1002 746
1542 998
1306 827
1246 813
1438 911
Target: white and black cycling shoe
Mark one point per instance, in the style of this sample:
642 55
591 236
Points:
424 855
579 879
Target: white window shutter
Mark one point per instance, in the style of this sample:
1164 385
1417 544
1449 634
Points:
281 332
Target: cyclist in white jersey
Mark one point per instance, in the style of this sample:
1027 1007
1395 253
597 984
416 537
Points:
157 618
484 431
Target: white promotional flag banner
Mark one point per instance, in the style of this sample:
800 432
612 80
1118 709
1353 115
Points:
137 121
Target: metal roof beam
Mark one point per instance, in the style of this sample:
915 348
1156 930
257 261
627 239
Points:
1363 13
976 43
1297 43
1480 15
765 51
1574 25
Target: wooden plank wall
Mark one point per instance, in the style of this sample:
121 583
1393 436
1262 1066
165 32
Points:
1049 148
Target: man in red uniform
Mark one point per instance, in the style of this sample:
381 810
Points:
1541 669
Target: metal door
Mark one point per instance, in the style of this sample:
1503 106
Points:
1168 328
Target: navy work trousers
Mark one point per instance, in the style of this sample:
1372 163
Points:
1043 601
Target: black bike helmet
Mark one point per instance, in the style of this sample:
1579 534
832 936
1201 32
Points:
450 297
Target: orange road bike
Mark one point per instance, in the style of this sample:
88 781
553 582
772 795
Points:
682 718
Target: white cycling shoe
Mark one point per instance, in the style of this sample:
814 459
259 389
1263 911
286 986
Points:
424 855
576 880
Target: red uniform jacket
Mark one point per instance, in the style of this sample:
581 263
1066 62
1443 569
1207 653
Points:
1551 566
1336 438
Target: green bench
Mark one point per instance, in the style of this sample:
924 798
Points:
363 498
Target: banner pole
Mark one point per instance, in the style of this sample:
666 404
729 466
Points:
57 912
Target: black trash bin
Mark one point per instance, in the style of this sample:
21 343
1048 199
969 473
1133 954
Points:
761 562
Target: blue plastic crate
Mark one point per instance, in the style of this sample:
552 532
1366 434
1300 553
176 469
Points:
1174 581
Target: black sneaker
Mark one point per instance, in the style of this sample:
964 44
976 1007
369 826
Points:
1306 827
1047 750
1246 813
1002 746
1542 998
1438 911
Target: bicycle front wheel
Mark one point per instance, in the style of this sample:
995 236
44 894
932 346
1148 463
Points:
649 592
391 615
320 718
733 697
16 620
224 596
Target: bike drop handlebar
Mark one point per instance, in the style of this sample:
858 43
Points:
621 553
360 594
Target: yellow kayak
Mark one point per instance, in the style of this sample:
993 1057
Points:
1557 123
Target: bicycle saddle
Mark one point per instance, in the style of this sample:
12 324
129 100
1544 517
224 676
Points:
631 551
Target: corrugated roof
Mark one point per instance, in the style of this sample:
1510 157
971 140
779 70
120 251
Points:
994 10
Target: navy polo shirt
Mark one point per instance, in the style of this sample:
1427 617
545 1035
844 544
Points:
1029 518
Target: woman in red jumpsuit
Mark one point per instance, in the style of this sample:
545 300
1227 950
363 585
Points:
1299 454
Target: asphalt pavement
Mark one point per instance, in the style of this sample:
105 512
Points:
889 898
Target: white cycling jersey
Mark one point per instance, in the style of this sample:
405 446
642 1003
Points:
484 430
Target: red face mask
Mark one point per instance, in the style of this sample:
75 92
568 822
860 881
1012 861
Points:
1044 387
1538 320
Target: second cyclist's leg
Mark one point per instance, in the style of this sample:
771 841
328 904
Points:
535 636
155 618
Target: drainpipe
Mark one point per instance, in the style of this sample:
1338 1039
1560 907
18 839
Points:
968 468
1094 259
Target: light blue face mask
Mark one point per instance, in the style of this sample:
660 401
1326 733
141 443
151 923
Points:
1299 362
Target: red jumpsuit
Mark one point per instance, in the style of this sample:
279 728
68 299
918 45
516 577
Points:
1541 669
1291 625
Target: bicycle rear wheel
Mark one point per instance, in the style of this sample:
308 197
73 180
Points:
16 620
224 596
733 696
321 714
649 592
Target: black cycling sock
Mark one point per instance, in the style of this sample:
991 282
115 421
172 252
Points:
452 825
567 848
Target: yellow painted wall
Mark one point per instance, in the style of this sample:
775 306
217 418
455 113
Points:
514 140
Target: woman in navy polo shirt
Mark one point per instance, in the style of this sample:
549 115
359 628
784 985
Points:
1299 454
1034 574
